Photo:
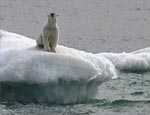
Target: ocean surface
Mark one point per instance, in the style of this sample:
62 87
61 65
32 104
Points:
127 95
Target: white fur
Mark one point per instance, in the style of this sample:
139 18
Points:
50 34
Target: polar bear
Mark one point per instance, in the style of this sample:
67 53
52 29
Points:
50 34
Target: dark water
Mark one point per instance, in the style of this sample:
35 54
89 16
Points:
127 95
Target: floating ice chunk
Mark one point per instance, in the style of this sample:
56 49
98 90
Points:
28 74
131 62
134 62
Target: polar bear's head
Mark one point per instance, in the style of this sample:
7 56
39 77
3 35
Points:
52 18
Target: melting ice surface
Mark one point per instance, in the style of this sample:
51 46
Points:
31 75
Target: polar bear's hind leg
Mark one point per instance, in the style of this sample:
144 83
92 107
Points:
39 41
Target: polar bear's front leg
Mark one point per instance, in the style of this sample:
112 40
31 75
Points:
53 48
53 45
46 44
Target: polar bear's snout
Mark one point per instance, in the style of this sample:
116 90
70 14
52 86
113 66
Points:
52 14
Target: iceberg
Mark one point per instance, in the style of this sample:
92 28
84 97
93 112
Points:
30 75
